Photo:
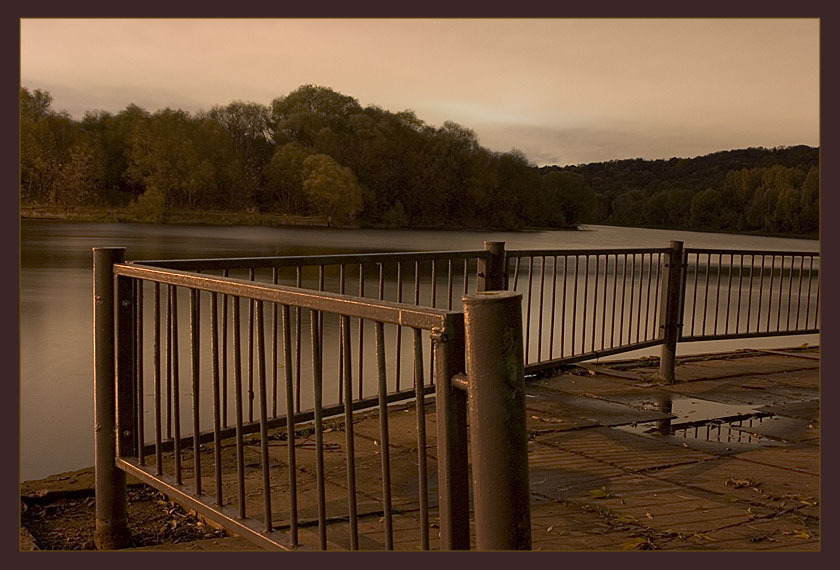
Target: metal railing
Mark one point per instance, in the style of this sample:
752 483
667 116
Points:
337 338
582 304
155 444
742 294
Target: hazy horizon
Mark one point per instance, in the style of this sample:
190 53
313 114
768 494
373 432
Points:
563 91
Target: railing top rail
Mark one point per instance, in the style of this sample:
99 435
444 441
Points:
750 252
567 252
307 260
384 311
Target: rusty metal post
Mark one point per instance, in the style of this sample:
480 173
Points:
451 408
491 272
670 319
110 487
498 435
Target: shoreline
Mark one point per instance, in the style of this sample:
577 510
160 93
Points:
224 218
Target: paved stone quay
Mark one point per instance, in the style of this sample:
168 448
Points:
726 458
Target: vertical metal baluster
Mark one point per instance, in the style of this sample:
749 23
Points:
614 298
574 304
817 305
604 307
176 397
384 440
217 420
583 309
655 320
158 451
298 283
749 292
553 306
694 297
540 322
810 279
717 292
361 329
225 273
595 300
290 423
760 295
466 276
194 353
647 297
740 285
261 377
274 342
169 362
251 276
348 431
528 305
237 386
417 282
632 298
319 428
141 455
623 287
770 290
321 270
516 273
420 407
434 304
449 286
790 294
706 290
341 342
640 287
434 283
799 293
398 362
729 292
563 309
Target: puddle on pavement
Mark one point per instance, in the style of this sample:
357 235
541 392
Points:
697 420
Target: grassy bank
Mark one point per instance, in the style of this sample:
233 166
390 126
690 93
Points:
185 217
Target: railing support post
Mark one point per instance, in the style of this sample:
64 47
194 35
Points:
670 318
491 272
110 486
498 434
451 409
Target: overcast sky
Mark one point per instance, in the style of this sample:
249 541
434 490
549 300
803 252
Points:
563 91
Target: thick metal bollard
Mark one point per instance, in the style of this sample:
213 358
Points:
671 315
111 499
498 435
491 273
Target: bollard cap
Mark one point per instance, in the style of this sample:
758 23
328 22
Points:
488 297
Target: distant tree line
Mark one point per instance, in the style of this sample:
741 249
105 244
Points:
318 152
313 151
750 190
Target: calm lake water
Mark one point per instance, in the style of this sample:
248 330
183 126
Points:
56 314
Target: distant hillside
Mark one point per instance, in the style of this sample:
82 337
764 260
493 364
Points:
748 190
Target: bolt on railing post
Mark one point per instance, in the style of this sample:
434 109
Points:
498 434
670 318
451 409
491 272
110 486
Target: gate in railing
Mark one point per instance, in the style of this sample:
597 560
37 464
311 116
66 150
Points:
354 336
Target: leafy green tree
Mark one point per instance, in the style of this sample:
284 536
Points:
332 189
566 198
284 178
706 210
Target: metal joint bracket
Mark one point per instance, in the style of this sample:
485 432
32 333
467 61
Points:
461 382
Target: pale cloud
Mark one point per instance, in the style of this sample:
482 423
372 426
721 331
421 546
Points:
594 89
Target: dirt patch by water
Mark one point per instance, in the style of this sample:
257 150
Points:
59 522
